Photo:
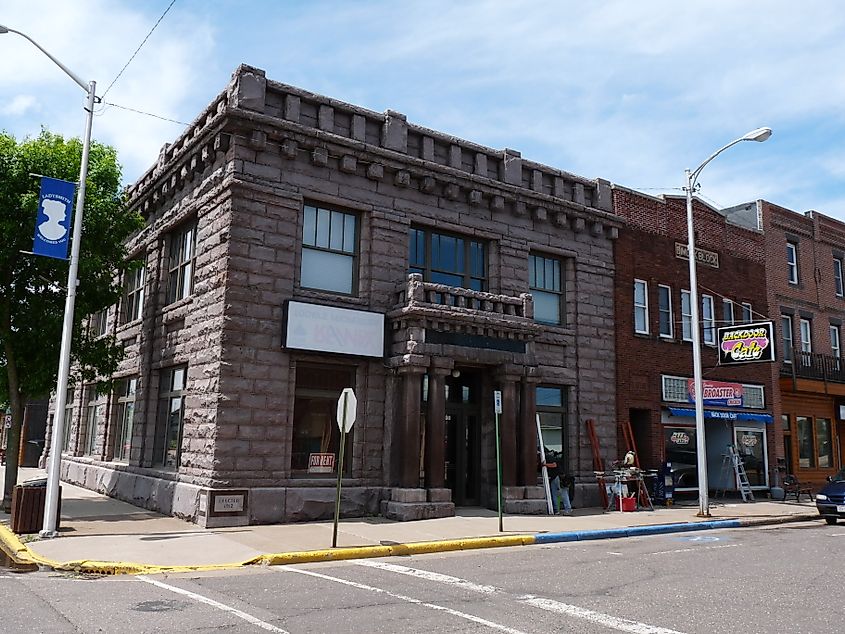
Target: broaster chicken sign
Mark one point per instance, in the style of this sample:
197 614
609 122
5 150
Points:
747 343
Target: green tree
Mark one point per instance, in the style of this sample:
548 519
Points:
33 288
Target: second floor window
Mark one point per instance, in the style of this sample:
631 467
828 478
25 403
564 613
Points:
837 276
806 335
786 326
835 340
664 308
448 259
686 316
98 323
544 281
133 295
727 312
746 313
640 307
708 319
183 244
792 262
329 250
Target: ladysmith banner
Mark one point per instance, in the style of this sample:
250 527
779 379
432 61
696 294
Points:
748 343
52 226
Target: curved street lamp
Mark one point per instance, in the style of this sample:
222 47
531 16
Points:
760 135
55 459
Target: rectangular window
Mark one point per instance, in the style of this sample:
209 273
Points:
708 319
824 443
552 410
746 313
125 411
448 259
171 414
181 262
727 312
68 419
792 262
806 328
837 276
133 294
806 453
315 430
546 285
329 250
640 307
97 323
675 389
679 449
93 415
686 316
835 341
786 327
664 307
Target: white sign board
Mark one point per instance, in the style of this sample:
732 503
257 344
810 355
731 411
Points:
228 503
347 406
330 329
497 401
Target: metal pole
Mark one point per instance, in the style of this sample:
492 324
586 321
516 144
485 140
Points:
701 446
544 469
56 435
339 472
499 473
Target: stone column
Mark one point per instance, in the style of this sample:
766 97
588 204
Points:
409 426
528 428
507 378
435 428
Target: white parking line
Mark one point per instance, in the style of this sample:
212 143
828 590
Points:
689 550
613 622
215 604
361 586
550 605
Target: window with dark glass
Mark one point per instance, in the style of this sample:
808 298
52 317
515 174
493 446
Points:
133 294
316 437
686 316
123 419
68 421
552 410
93 415
664 309
329 250
171 414
97 323
727 312
806 452
746 313
640 307
708 319
837 276
786 327
546 285
679 450
181 262
824 443
448 259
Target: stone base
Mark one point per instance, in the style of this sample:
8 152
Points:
407 505
528 500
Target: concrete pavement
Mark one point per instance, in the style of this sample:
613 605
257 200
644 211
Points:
100 534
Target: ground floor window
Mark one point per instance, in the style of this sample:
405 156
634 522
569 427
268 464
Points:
679 445
68 420
171 414
123 419
552 409
93 416
815 442
316 437
751 446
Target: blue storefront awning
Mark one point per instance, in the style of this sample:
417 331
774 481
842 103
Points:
711 414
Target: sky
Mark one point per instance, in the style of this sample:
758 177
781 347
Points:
631 91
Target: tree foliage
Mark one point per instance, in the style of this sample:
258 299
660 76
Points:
33 288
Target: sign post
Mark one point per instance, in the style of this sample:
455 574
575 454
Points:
497 407
545 471
347 406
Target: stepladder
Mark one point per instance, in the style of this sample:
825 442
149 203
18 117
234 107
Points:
733 466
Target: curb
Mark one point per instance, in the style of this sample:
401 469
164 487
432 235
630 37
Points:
21 554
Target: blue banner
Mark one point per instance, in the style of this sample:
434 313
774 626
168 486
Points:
55 210
712 414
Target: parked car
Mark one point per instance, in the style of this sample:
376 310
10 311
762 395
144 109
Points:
831 499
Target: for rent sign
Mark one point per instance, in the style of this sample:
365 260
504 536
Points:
748 343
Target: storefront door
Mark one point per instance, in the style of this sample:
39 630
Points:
463 440
751 445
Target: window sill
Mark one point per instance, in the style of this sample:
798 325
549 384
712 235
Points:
337 298
176 310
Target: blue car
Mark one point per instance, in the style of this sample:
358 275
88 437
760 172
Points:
831 499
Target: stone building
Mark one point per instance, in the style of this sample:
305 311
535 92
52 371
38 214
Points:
806 297
654 340
296 245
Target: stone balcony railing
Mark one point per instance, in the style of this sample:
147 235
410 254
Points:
451 308
818 367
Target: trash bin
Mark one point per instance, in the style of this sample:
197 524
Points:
28 499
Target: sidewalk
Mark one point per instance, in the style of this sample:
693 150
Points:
100 534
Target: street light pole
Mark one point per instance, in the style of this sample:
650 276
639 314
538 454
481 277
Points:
760 134
56 435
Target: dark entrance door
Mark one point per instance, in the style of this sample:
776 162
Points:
463 439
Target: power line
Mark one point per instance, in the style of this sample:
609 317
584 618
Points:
139 48
149 114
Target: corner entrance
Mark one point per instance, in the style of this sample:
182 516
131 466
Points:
463 438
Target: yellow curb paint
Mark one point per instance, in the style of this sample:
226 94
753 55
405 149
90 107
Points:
23 554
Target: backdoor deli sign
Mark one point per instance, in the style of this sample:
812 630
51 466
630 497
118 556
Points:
707 258
748 343
717 393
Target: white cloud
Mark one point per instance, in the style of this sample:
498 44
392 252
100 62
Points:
20 104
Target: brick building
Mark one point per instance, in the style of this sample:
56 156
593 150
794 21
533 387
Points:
804 263
296 245
654 335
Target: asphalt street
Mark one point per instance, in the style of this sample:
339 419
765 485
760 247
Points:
777 579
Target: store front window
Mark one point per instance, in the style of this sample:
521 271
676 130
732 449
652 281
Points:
679 450
751 446
551 408
316 437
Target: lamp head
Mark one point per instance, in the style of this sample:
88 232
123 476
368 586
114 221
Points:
3 29
760 134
